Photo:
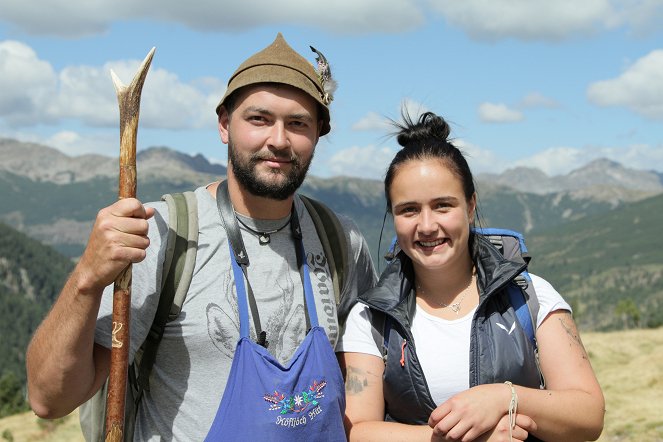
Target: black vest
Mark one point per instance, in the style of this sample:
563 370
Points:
495 355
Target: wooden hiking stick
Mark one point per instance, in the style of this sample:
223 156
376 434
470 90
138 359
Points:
128 98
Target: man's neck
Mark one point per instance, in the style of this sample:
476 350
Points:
253 206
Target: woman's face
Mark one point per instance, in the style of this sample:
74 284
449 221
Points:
431 215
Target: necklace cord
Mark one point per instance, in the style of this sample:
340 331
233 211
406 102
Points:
454 306
262 234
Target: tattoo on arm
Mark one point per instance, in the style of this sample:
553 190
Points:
356 380
569 326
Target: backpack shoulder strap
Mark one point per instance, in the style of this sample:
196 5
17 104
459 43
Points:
181 246
524 301
333 240
177 272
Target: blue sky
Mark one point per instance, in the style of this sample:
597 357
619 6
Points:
549 84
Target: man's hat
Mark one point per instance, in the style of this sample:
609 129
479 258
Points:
279 63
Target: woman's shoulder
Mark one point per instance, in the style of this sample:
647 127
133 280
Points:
549 298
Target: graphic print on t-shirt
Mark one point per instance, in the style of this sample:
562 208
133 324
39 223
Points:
281 315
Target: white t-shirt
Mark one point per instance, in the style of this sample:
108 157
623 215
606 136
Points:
443 346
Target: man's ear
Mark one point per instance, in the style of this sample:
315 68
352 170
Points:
224 123
317 135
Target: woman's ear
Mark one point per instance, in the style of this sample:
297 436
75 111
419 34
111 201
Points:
471 208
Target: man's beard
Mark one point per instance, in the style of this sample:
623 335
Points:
245 172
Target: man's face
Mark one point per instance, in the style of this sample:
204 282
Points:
271 136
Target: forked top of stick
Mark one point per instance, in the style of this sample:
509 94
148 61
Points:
136 84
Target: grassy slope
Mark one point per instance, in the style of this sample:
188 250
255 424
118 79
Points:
629 365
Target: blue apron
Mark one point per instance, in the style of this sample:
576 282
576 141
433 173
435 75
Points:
266 401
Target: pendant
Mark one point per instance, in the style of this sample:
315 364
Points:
264 239
455 307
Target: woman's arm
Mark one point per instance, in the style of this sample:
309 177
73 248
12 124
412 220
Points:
364 411
571 408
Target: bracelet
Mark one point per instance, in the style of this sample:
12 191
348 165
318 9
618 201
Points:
513 409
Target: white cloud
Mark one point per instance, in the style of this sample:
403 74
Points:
481 160
74 143
639 88
372 121
83 17
557 160
375 121
26 82
362 162
60 17
538 100
562 160
481 19
102 142
528 20
498 113
644 16
33 93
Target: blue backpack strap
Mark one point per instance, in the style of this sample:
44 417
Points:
519 303
521 294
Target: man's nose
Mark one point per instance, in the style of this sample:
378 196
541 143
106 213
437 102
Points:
279 136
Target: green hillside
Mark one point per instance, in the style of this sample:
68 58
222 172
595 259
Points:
525 212
31 276
610 266
33 206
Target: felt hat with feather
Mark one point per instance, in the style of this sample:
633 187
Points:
279 63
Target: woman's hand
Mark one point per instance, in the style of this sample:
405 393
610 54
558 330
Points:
524 425
500 433
471 413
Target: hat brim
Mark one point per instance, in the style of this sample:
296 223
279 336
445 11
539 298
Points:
283 75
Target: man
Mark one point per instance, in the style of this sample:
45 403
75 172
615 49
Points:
272 115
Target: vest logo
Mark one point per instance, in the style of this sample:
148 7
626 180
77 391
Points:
509 331
297 404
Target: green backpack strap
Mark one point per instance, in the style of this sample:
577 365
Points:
333 240
180 259
179 262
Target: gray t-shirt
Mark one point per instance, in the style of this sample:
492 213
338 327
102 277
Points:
195 354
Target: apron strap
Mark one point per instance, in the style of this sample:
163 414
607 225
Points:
238 250
240 264
241 299
230 223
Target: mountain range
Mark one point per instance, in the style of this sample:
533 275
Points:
600 173
54 197
42 163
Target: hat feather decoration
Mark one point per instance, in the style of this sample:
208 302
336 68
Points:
324 74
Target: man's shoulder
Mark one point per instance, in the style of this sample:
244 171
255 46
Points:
324 209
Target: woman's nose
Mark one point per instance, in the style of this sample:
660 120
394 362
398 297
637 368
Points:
427 223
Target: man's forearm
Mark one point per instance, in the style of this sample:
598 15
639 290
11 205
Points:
63 367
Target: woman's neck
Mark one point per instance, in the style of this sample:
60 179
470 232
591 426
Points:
447 282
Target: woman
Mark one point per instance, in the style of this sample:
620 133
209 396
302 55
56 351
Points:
457 364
